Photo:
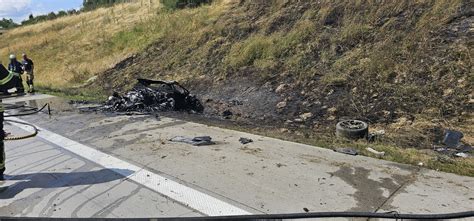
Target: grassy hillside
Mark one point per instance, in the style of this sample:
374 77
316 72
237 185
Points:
366 59
403 66
70 50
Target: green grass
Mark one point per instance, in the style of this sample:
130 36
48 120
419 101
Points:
71 94
262 49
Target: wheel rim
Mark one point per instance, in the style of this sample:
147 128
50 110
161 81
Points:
353 125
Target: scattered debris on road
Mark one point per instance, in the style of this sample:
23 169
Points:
377 153
442 150
452 146
243 140
347 151
465 148
150 96
197 141
452 138
462 155
372 137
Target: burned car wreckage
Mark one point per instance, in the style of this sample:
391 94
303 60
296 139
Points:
149 96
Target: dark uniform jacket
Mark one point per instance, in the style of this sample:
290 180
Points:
28 64
16 67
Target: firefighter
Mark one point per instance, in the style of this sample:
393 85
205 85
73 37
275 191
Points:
28 67
7 81
2 144
16 69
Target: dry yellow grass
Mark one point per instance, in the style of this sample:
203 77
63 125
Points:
71 49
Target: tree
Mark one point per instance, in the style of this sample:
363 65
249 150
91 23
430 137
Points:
51 16
93 4
62 13
72 12
7 23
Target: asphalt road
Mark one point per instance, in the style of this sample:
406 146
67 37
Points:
93 165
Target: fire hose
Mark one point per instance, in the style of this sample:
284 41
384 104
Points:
30 113
35 129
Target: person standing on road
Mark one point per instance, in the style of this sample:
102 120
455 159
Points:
7 81
16 69
28 67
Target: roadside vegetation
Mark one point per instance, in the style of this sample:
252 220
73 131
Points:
47 17
7 24
403 66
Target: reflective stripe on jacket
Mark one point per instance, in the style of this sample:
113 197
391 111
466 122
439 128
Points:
7 79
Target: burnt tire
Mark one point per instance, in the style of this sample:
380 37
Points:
352 129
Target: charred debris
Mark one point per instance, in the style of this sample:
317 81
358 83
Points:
151 96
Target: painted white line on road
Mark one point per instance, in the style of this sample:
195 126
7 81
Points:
191 198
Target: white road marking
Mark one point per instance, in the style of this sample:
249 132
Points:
191 198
